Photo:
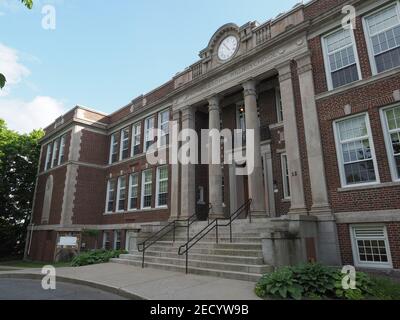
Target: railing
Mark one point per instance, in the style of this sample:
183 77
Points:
171 227
263 33
214 224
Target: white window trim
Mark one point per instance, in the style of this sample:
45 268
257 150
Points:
143 188
61 151
370 50
108 196
105 234
115 239
119 194
130 190
55 150
161 133
339 153
354 245
134 135
278 102
388 143
328 72
48 154
121 144
158 186
146 130
285 164
113 142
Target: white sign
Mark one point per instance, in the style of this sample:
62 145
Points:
68 241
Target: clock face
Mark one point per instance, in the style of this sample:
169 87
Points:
227 48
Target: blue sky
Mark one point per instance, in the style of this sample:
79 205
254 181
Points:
103 54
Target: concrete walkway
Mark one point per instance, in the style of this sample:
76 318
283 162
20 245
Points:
149 284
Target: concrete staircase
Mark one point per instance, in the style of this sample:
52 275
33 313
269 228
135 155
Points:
241 260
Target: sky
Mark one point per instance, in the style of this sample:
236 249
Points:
102 54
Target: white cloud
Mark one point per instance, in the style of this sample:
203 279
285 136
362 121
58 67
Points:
11 67
25 116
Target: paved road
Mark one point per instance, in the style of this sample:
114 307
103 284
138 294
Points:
18 289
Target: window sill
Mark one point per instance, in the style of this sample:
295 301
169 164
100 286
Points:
370 186
359 83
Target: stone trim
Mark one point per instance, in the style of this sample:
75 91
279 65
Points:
367 216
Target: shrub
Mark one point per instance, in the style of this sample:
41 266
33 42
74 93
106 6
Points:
315 281
95 257
280 284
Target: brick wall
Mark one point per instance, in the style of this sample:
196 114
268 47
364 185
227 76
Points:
393 231
369 99
94 148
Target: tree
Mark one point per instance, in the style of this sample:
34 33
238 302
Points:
29 5
19 157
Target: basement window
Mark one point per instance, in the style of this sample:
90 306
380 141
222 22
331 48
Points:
371 246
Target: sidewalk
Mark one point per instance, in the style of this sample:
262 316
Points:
150 284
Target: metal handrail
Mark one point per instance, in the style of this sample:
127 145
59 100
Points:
172 226
214 225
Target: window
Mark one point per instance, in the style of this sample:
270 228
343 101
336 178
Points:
163 128
147 186
61 156
110 196
279 108
114 149
54 159
392 125
136 137
48 157
148 133
162 186
117 240
340 58
106 240
285 176
133 191
124 148
370 246
355 151
383 32
121 194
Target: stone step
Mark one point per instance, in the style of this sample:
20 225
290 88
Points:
253 277
212 238
213 245
205 250
202 257
245 268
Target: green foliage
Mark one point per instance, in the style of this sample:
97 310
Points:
96 257
363 289
385 289
280 284
2 81
28 3
19 156
315 281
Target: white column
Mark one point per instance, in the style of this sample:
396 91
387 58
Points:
291 140
188 175
174 210
313 136
214 170
256 183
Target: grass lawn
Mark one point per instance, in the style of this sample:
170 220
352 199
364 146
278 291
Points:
31 264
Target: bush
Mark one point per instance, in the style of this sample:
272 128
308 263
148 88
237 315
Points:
95 257
315 281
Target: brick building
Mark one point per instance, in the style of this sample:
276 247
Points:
324 103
